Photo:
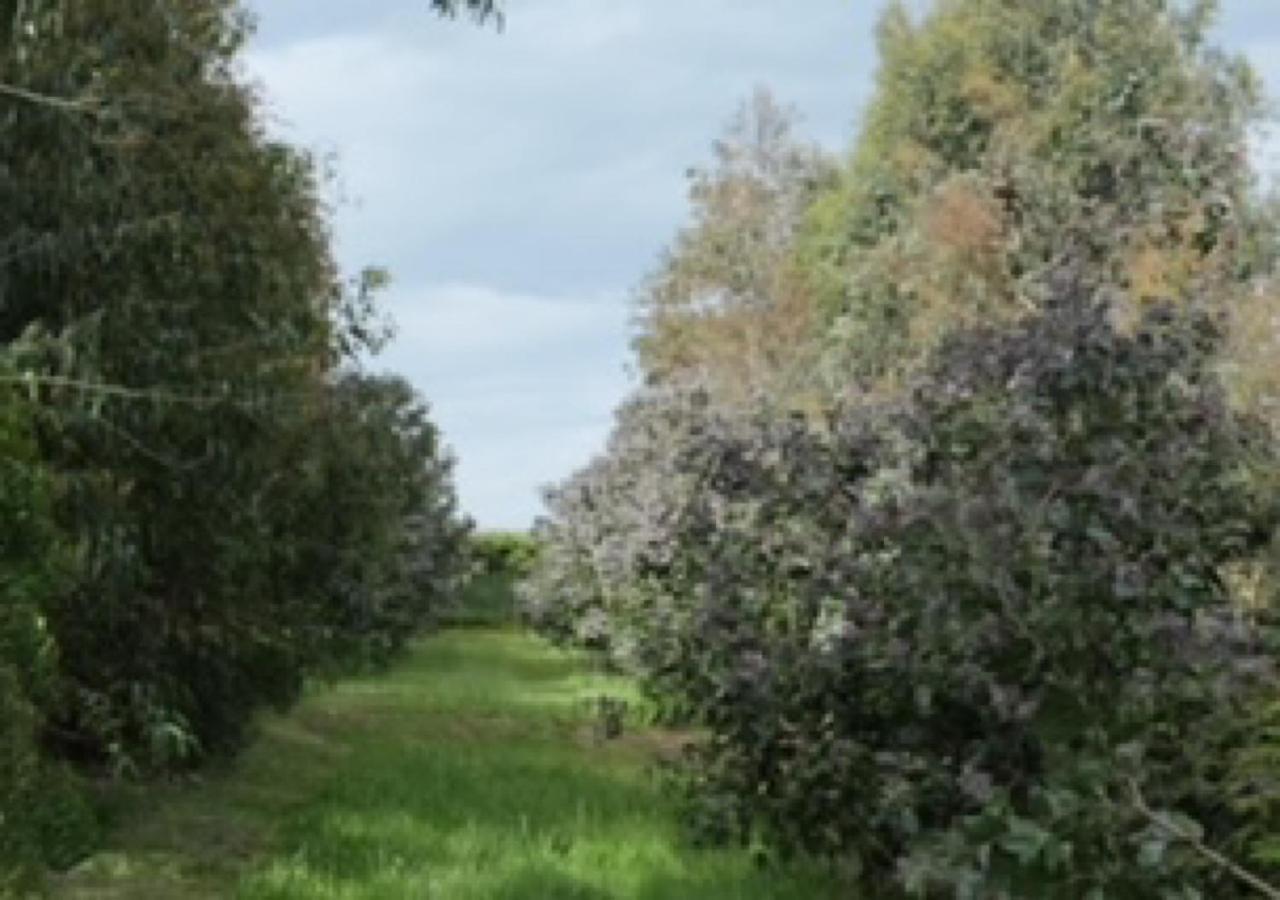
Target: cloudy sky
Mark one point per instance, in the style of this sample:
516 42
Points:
519 184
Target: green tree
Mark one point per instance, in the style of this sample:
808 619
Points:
178 263
1005 139
42 819
997 623
375 543
166 265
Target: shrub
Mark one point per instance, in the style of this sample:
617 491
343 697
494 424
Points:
611 518
508 553
991 617
43 820
978 640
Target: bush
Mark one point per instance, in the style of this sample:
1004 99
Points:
381 545
978 640
43 820
507 553
992 616
613 518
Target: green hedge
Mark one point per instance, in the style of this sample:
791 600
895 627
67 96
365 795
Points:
43 819
510 553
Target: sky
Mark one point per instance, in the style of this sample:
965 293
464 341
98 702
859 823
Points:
519 184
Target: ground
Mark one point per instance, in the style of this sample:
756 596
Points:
475 770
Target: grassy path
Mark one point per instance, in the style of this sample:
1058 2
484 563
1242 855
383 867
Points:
471 772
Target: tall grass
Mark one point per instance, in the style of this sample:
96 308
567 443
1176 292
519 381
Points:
474 771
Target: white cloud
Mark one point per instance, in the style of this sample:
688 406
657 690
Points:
522 385
1264 147
518 184
1264 154
466 324
575 122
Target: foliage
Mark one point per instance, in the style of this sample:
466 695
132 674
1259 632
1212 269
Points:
242 511
607 515
1006 138
375 548
949 636
509 553
42 818
486 600
133 266
498 560
726 307
989 612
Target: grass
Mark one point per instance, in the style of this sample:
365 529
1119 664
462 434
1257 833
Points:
470 772
489 600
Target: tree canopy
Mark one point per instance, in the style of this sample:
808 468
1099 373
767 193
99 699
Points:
231 504
988 608
481 9
726 304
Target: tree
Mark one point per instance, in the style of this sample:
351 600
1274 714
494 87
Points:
990 623
481 9
167 268
177 263
54 826
375 539
726 307
1006 138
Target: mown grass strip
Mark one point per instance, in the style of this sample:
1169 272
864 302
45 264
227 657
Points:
471 772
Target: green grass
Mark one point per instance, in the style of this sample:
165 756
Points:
471 771
488 600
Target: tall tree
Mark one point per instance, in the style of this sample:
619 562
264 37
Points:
726 307
979 631
1007 138
168 265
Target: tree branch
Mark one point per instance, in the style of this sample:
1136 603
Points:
481 9
1239 872
62 103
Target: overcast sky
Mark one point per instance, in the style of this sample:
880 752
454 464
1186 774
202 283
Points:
519 185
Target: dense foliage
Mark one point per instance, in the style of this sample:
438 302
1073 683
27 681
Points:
951 636
511 554
1005 138
373 549
1014 619
986 609
42 820
205 501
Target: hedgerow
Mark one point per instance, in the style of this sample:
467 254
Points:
43 819
986 608
979 639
